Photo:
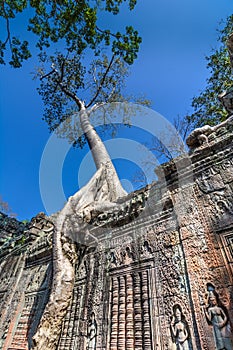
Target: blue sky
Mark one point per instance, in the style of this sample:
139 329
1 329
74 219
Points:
170 70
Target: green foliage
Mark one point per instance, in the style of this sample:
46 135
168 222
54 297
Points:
207 106
72 23
69 72
127 45
102 83
113 6
78 60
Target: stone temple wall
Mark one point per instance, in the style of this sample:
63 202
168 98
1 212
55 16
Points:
161 278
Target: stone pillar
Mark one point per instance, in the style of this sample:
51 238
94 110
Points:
114 318
129 313
146 312
79 291
122 314
137 311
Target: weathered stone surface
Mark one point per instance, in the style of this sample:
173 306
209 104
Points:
156 275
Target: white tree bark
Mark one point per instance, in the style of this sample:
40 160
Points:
72 226
100 155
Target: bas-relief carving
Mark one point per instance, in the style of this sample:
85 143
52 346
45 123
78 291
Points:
216 177
215 183
194 234
224 213
130 323
38 278
97 288
40 223
169 240
226 169
74 324
220 207
172 288
82 270
125 212
36 295
162 246
217 316
86 300
12 295
8 271
210 181
130 252
129 302
91 333
201 265
227 244
42 243
179 329
4 333
170 263
146 250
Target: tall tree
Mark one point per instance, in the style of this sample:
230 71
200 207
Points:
79 61
72 28
208 108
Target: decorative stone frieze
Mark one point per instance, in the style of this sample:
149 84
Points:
157 275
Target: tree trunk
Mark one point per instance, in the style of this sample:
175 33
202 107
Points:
64 259
100 154
72 226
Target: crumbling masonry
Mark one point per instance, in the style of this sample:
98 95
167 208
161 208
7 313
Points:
158 274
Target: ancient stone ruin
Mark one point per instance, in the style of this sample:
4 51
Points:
155 274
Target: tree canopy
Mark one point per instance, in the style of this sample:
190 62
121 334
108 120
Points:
74 23
78 59
207 107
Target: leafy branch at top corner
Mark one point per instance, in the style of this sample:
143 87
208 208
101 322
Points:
19 49
71 23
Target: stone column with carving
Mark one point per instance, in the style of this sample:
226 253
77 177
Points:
122 311
137 311
146 312
129 313
114 316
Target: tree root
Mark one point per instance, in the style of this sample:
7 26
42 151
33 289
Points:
72 226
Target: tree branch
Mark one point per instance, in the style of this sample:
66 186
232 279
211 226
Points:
111 93
62 87
102 82
96 106
71 95
104 32
94 77
8 38
46 75
66 91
